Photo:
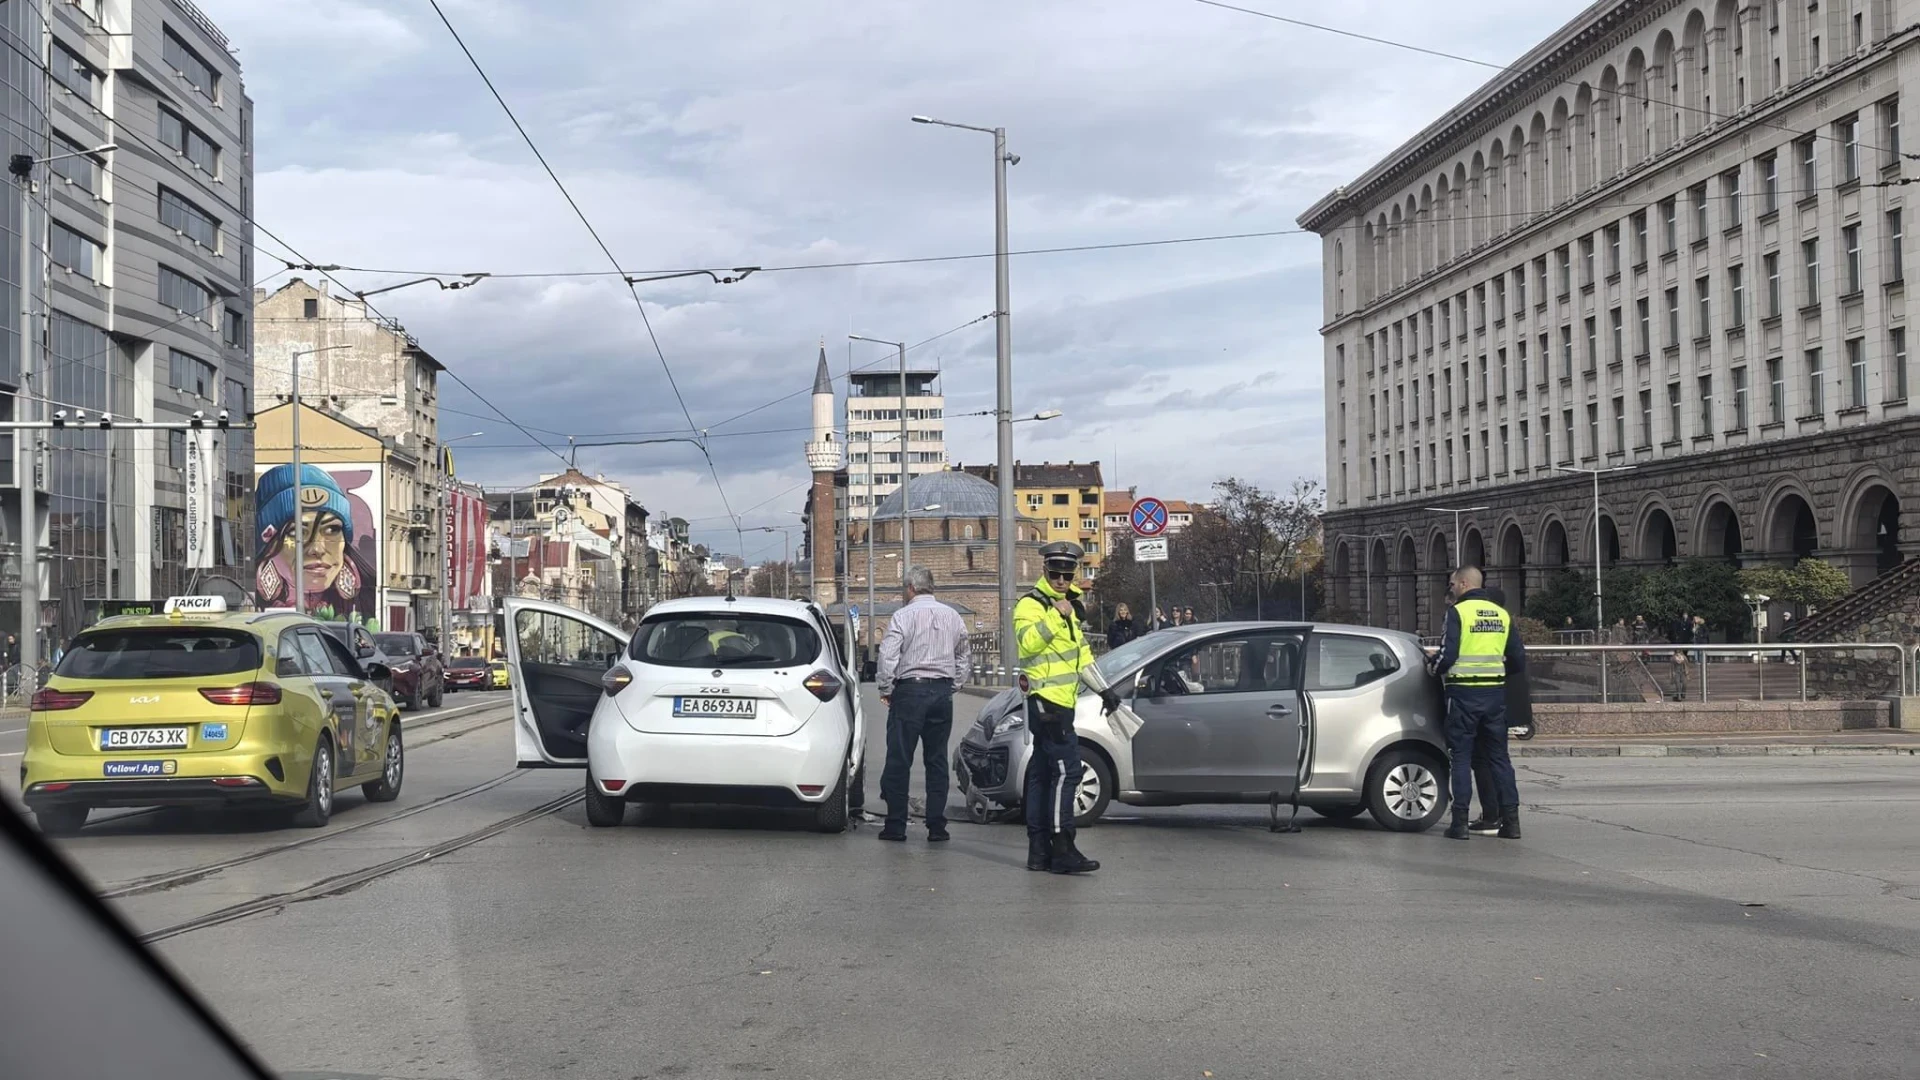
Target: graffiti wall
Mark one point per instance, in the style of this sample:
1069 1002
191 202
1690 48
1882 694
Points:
330 548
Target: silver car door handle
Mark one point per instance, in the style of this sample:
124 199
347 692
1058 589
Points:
1279 710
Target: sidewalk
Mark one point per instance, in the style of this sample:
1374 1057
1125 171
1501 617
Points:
1883 741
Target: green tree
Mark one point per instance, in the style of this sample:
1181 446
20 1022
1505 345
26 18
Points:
1568 594
1808 583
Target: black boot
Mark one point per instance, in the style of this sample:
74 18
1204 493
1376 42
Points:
1486 824
1067 858
1458 830
1510 823
1039 852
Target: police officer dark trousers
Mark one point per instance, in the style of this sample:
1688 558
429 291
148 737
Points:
1050 632
1478 651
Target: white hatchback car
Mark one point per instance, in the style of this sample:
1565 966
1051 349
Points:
740 701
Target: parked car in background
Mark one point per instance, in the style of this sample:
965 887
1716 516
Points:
361 643
1345 718
468 673
418 672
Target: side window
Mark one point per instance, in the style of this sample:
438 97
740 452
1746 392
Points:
546 638
363 641
313 655
1346 661
288 662
342 658
1259 663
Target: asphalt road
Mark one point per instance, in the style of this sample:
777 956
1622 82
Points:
1719 917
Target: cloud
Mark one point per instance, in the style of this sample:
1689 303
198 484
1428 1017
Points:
720 133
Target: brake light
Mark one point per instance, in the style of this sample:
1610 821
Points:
613 785
57 785
253 693
823 685
615 680
51 700
234 781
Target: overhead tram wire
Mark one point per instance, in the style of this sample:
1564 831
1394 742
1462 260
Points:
271 235
1514 69
604 249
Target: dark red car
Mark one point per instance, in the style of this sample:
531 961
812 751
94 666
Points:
419 677
468 673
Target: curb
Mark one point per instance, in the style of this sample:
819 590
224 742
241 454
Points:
1654 750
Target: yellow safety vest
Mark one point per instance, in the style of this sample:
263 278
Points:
1053 647
1484 626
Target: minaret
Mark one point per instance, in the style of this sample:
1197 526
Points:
823 457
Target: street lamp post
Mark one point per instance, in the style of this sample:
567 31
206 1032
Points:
1599 594
299 477
1599 600
1003 355
786 553
1459 558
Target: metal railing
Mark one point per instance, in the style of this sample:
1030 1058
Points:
18 683
1661 673
986 670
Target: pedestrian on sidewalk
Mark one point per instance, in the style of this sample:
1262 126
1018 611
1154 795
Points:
1121 630
1478 650
923 659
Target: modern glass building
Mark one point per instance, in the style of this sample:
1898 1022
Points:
139 289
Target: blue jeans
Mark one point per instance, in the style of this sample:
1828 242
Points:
1477 728
920 715
1053 774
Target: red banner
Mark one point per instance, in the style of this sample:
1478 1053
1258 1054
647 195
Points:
467 548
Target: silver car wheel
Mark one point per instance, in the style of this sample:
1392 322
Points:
1411 790
394 761
323 779
1087 795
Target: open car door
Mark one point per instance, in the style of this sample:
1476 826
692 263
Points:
558 655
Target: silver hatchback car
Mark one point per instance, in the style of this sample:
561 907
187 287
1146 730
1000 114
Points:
1341 719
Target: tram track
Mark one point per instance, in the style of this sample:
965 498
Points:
353 879
187 875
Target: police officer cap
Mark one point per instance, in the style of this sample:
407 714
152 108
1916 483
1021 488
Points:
1062 554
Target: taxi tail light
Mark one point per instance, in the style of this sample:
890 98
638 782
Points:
57 785
234 781
51 700
823 685
253 693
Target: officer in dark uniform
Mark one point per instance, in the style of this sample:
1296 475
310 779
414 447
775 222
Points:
1479 649
1049 629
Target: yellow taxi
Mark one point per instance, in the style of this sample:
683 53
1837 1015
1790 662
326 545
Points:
497 675
200 706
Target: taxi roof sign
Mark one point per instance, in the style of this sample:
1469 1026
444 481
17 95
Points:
196 605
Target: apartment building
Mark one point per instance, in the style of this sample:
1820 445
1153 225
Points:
874 451
1065 502
1667 246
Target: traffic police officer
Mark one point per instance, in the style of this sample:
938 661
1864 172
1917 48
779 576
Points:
1479 649
1049 631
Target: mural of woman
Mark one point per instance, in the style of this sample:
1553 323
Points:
335 576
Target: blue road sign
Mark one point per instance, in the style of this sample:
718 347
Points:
1149 517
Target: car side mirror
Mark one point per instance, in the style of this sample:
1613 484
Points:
366 649
379 672
1142 684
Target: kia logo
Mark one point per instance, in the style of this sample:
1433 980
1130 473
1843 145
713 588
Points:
144 699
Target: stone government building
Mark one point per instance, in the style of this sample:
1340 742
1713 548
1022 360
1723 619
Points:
1670 239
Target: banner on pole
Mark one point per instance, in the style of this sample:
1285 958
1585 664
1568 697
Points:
200 473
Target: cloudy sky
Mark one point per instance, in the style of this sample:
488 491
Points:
720 133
